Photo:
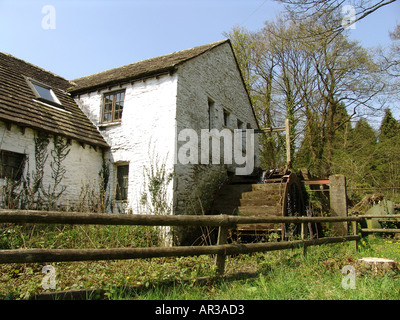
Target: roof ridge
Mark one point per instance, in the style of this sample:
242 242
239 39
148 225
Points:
33 65
210 45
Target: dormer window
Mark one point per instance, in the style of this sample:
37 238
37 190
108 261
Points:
44 93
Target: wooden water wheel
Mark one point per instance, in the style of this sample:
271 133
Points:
293 205
278 195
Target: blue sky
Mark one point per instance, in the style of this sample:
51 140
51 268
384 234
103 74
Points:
92 36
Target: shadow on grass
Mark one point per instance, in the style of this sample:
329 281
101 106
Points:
141 289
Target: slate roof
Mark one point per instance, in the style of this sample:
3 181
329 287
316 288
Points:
139 70
18 105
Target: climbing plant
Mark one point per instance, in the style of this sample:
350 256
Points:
58 154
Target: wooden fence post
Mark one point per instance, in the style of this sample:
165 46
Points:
222 239
338 203
303 236
288 154
354 226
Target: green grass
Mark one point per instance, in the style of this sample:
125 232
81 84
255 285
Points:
263 276
288 275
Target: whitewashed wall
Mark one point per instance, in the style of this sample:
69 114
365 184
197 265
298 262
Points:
145 133
156 109
214 76
82 164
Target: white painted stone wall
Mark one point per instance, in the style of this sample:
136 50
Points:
156 109
146 131
212 76
83 164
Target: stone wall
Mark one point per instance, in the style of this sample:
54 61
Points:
156 110
82 164
144 137
207 86
211 80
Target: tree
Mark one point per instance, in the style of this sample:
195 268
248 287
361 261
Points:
347 74
291 73
388 160
390 127
395 51
356 157
392 62
356 10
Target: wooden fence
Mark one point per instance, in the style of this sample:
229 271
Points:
221 249
386 217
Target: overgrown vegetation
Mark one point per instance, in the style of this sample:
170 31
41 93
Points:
155 198
272 275
32 192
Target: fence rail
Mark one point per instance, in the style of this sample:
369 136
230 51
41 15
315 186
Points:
221 249
382 216
58 255
56 217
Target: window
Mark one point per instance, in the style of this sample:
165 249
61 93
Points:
11 165
122 182
44 92
240 124
113 103
211 114
226 118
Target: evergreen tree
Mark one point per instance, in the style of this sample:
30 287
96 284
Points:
388 160
390 127
364 136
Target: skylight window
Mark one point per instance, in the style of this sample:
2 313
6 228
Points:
44 92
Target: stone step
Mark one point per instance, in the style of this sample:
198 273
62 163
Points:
260 210
269 187
260 195
228 198
268 201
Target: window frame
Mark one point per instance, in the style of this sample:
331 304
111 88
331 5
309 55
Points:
113 105
121 192
4 173
226 118
211 114
54 102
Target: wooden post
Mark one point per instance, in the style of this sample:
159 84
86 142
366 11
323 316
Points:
354 226
288 155
303 236
222 239
338 203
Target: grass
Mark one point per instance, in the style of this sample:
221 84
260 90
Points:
263 276
288 275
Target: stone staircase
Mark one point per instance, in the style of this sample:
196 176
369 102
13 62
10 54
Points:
243 196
